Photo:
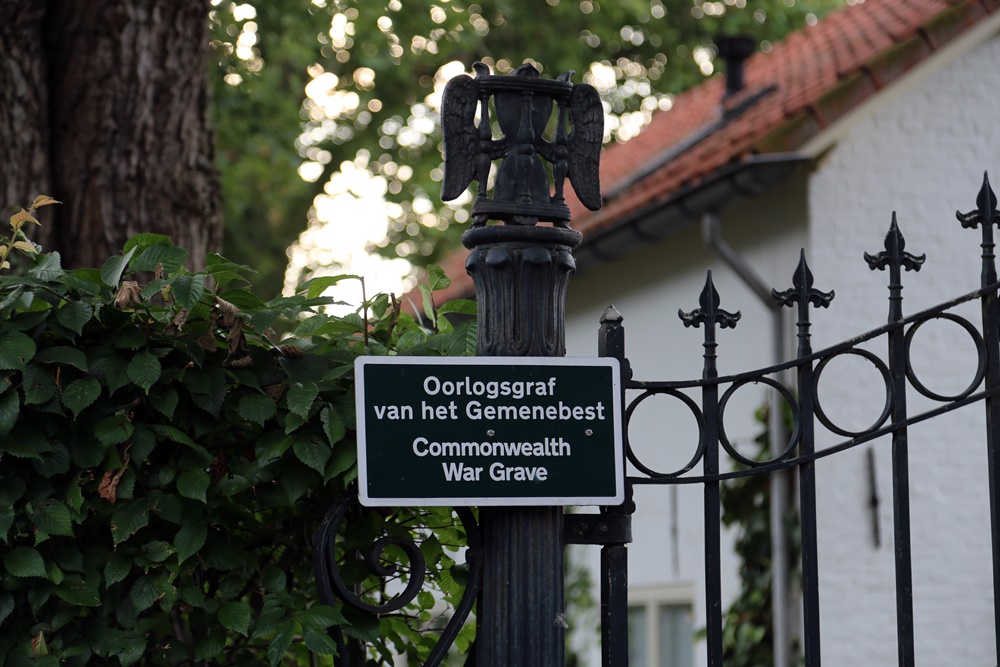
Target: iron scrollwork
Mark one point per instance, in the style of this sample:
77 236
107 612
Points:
332 586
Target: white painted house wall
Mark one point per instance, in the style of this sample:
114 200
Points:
648 287
922 153
920 149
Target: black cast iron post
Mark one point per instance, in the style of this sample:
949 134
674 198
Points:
520 270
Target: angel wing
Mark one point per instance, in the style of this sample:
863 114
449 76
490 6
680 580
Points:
584 147
461 139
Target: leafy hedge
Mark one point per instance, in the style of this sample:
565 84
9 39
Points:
166 456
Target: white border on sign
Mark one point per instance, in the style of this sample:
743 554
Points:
590 362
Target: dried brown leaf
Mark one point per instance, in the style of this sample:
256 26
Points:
128 295
108 488
177 324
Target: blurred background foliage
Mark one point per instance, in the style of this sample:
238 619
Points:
310 95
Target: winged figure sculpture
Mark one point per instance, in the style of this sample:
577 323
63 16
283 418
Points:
522 105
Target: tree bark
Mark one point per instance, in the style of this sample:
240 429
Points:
24 103
108 101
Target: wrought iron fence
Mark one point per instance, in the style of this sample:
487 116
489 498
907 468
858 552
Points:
612 530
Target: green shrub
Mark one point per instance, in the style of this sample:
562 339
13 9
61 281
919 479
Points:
166 457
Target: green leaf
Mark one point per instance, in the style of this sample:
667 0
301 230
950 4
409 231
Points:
281 641
462 341
27 442
6 521
157 550
16 350
437 279
175 435
459 306
143 593
267 621
301 397
80 394
79 592
111 272
107 364
130 338
39 384
54 462
6 606
188 290
146 240
48 268
210 646
52 517
189 540
257 408
74 315
193 484
24 562
312 452
62 354
275 579
164 400
344 457
54 573
319 617
117 569
236 617
128 519
144 369
143 444
315 287
362 625
113 430
333 425
170 256
320 644
10 408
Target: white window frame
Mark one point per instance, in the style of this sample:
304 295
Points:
651 598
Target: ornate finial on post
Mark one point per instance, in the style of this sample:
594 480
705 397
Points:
985 216
711 316
895 258
803 293
523 102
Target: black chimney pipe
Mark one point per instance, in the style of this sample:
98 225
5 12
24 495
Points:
734 49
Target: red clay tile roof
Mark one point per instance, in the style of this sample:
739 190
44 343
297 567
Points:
821 73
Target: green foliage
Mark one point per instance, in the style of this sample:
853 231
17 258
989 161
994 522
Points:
165 459
376 105
747 632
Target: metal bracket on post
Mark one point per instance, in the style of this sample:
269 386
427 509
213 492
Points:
599 529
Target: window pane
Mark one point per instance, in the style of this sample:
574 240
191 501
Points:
676 635
638 639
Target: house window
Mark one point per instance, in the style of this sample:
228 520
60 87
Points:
660 627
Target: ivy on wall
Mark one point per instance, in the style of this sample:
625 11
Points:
747 634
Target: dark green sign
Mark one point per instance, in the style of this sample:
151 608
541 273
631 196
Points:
489 431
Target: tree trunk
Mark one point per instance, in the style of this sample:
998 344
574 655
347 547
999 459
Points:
104 105
24 102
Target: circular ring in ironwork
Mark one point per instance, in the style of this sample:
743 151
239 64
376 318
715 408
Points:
889 393
699 418
796 421
980 350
